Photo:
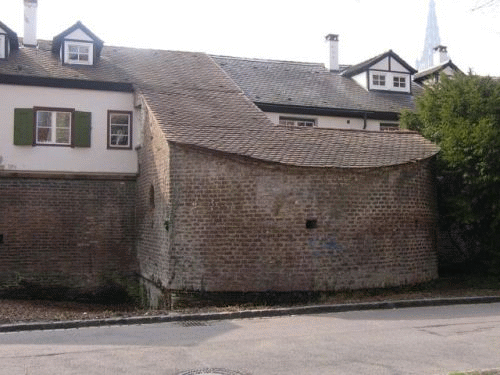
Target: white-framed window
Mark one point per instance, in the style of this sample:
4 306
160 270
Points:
78 53
399 82
2 46
53 126
390 81
119 129
389 126
293 121
378 80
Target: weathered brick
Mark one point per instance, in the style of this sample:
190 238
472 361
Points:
66 232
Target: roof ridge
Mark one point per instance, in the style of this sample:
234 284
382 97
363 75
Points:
255 59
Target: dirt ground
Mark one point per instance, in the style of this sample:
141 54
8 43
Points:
13 311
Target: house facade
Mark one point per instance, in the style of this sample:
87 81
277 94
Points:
166 166
366 96
67 186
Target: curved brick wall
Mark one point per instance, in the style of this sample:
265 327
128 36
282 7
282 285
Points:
221 223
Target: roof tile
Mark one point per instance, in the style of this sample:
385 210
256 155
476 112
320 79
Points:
307 85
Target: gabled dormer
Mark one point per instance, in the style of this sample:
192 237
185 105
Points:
77 46
386 72
8 41
441 65
433 74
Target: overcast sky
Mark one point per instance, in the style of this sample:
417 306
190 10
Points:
278 29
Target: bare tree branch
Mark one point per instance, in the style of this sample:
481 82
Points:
484 4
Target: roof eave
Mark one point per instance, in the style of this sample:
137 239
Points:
328 111
65 83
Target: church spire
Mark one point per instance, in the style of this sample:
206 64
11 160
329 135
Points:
432 39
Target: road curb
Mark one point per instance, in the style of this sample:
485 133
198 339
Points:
246 314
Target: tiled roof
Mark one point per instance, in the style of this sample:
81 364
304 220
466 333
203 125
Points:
196 103
307 85
40 62
242 131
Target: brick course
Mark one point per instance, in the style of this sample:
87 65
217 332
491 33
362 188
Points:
76 232
236 224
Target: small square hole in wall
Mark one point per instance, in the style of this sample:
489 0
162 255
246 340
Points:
1 239
311 223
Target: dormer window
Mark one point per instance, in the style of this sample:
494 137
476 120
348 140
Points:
378 80
78 53
77 46
386 72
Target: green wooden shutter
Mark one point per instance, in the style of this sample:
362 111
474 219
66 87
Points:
23 126
82 129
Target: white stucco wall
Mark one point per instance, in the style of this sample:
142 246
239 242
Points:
42 158
381 65
333 122
448 71
2 45
362 80
78 34
397 67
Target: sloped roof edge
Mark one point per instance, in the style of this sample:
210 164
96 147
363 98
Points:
420 76
297 164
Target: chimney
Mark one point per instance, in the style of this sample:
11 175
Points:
30 22
333 52
440 55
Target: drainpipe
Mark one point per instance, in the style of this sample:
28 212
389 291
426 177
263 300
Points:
365 118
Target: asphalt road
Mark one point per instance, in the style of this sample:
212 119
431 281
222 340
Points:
427 340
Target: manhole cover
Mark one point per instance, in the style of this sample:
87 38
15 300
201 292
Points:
192 323
212 371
